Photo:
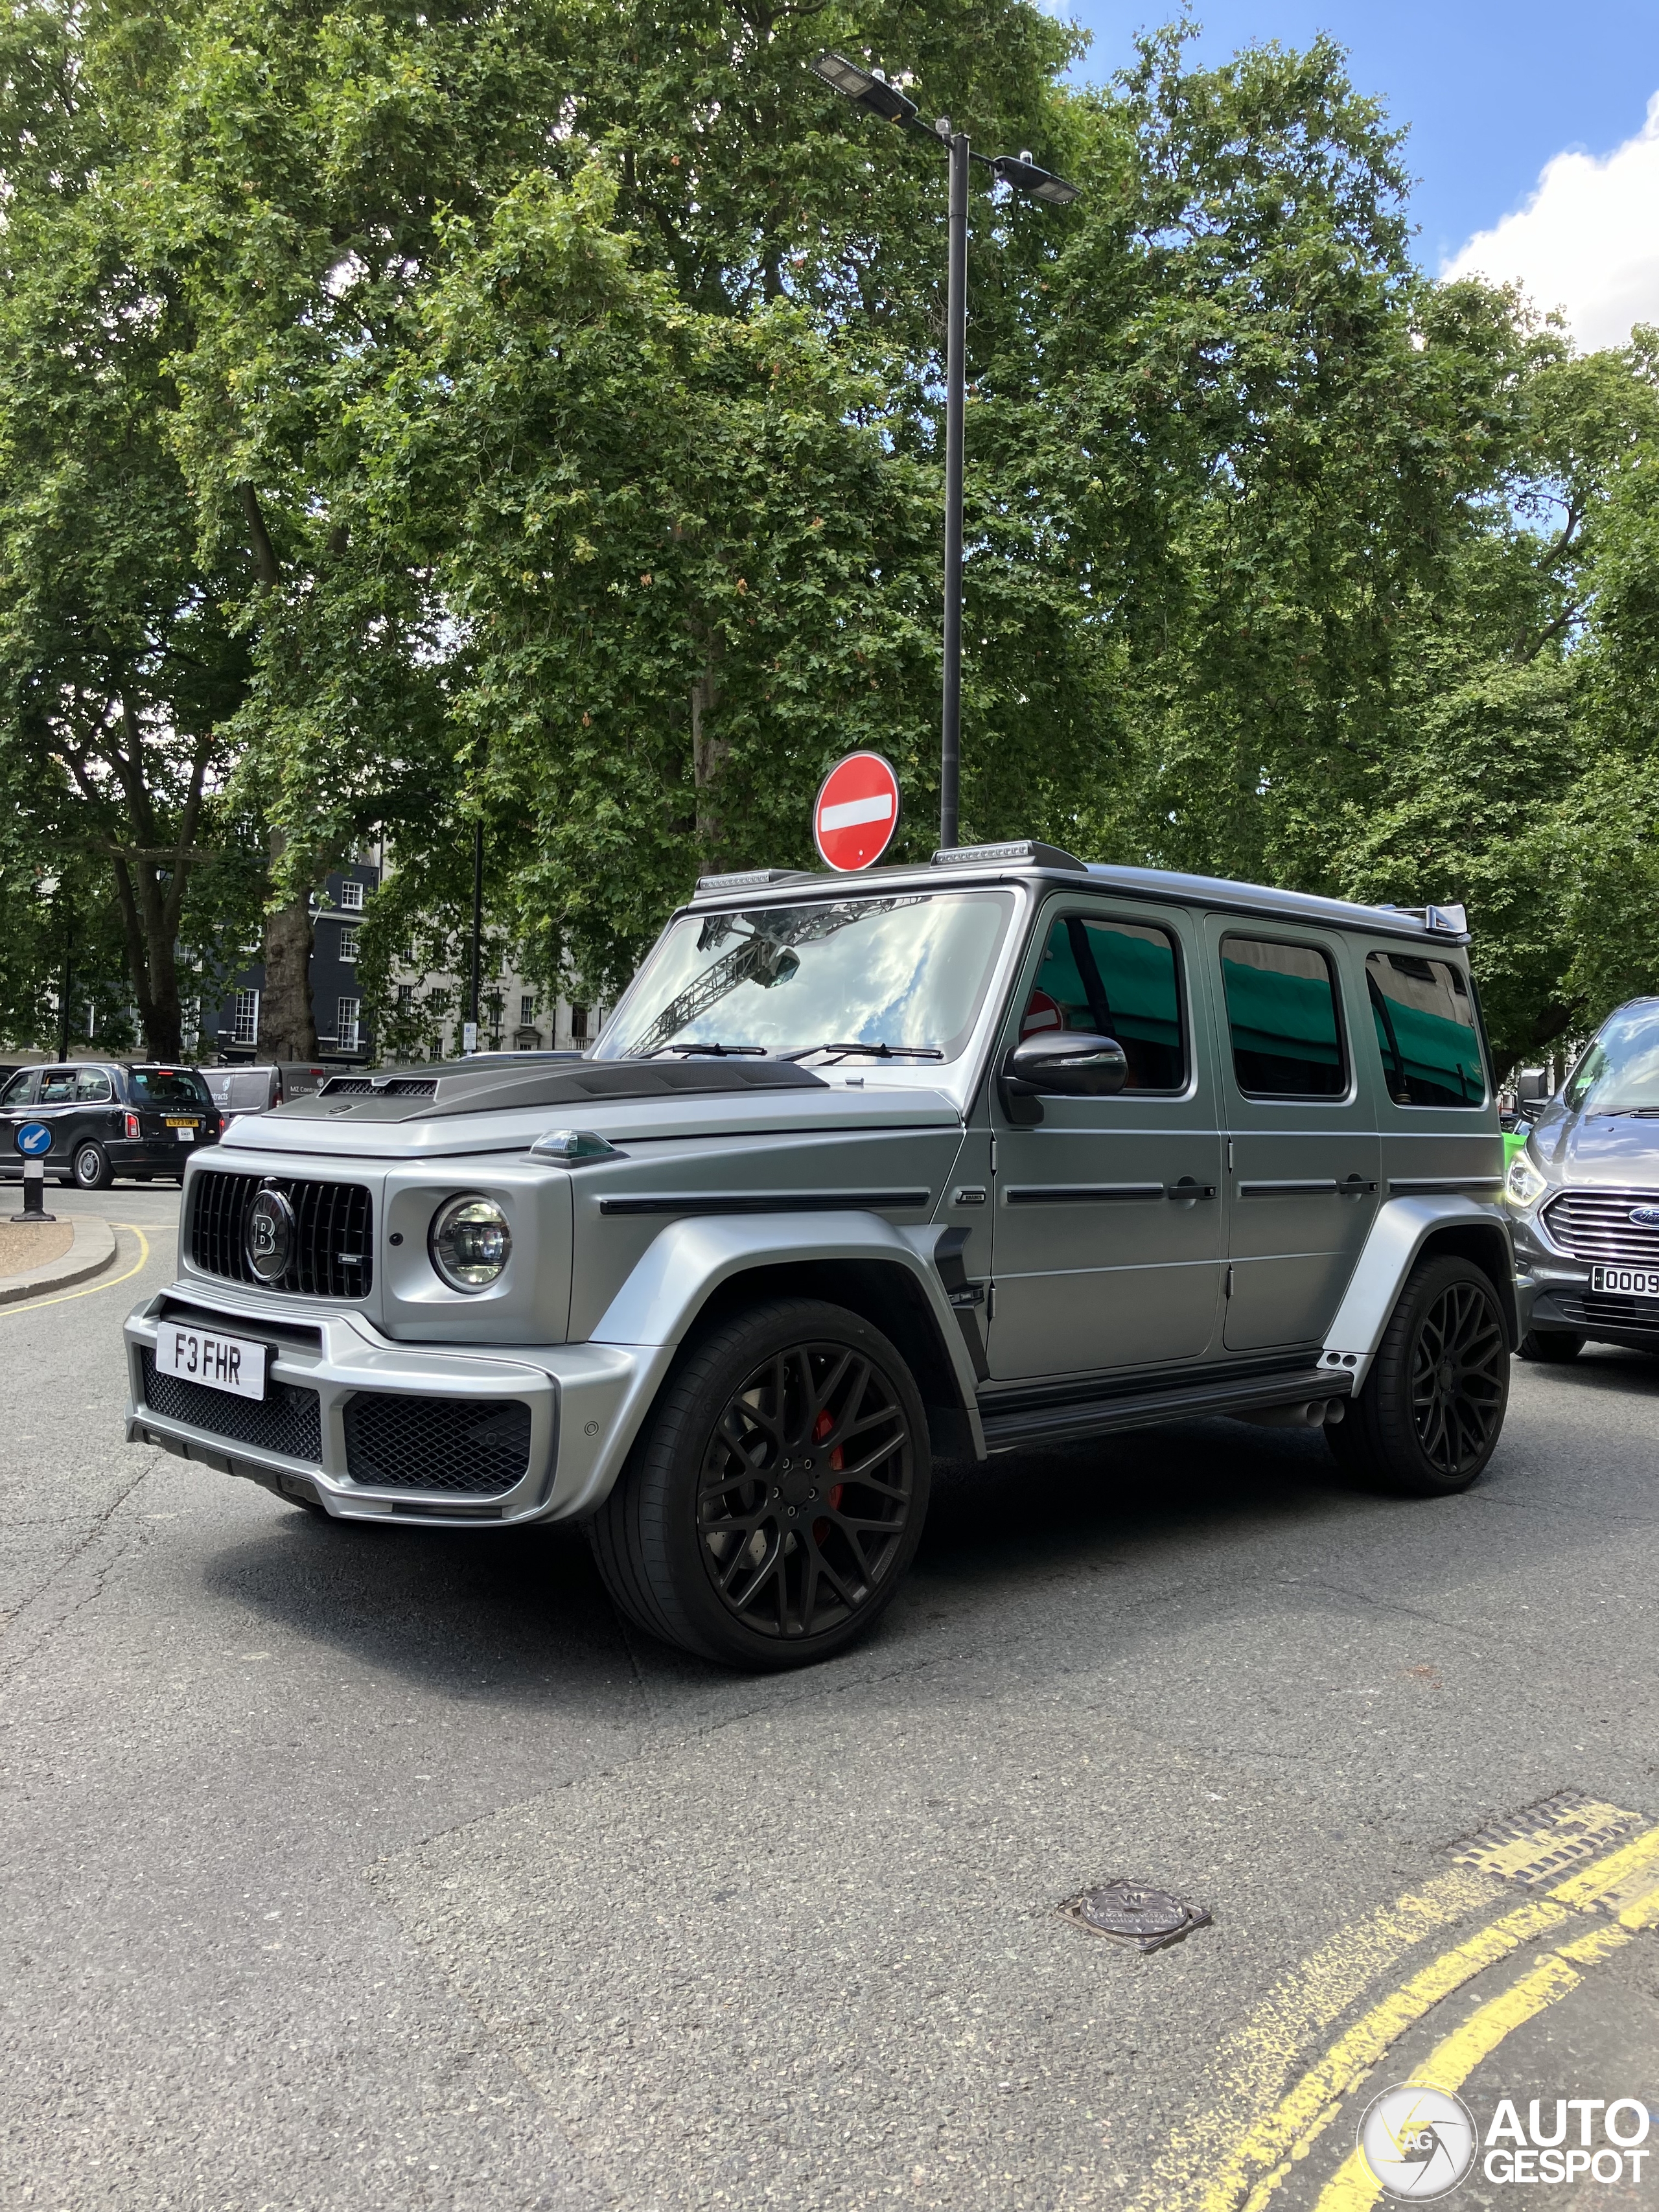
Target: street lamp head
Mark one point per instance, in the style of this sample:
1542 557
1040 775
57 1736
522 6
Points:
1037 184
867 86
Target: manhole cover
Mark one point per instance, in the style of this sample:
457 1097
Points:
1130 1912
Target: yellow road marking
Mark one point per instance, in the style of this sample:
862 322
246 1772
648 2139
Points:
1547 1839
90 1290
1449 2064
1257 2060
1230 2170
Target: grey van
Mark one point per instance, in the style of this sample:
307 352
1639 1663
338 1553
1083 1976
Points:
940 1160
1584 1192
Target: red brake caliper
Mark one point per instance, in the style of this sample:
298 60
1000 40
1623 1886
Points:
821 1429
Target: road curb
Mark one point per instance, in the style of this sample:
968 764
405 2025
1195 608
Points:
93 1250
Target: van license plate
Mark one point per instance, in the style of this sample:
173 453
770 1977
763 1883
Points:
201 1355
1626 1282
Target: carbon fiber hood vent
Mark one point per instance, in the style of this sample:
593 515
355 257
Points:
498 1086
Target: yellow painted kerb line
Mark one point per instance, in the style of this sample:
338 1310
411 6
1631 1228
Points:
90 1290
1267 2150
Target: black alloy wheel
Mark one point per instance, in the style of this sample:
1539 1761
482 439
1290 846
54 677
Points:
769 1511
92 1168
1428 1416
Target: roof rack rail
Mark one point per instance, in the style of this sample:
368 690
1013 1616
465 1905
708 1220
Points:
1018 851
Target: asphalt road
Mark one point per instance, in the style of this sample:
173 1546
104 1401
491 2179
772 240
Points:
370 1868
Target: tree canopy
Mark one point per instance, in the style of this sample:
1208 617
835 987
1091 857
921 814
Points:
532 412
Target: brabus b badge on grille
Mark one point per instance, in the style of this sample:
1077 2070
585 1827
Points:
1645 1217
268 1235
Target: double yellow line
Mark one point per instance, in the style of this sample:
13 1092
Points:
1213 2168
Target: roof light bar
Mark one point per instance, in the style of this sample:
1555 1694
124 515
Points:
1018 852
749 879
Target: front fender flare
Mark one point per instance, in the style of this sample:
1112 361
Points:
689 1260
1402 1228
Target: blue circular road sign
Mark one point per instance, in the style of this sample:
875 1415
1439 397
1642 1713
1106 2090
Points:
34 1138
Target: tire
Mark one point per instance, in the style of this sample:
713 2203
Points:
1555 1346
1431 1414
761 1567
92 1169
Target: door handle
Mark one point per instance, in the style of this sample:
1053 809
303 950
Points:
1354 1185
1187 1189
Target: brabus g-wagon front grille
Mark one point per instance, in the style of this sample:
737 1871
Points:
332 1252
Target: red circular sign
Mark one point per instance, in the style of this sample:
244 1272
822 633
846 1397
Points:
856 812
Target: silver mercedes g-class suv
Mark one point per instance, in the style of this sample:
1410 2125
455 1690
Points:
931 1161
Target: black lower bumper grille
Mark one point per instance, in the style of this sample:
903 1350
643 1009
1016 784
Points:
1631 1317
288 1419
474 1447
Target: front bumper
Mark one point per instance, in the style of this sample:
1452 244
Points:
430 1411
1553 1292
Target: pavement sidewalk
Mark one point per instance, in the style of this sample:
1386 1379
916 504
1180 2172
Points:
91 1251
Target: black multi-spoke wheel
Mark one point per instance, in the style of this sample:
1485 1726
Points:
1428 1416
769 1511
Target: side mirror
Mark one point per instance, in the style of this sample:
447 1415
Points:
1062 1063
1532 1087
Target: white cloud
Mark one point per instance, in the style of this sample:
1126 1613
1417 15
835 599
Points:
1587 242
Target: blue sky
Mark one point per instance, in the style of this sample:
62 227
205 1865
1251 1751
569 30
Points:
1493 94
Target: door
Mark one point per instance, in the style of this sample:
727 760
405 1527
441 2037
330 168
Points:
55 1105
1107 1240
1302 1142
14 1097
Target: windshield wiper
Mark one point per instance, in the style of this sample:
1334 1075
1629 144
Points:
875 1051
714 1051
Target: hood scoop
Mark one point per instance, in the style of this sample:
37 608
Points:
498 1086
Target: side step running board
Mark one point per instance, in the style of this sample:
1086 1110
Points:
1190 1402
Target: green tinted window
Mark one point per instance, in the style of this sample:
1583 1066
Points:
1425 1030
1116 979
1281 1010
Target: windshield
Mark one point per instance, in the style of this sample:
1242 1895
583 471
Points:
1620 1074
169 1086
908 973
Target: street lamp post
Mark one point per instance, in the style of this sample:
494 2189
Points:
869 89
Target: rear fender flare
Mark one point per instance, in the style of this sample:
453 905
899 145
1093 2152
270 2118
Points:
1406 1227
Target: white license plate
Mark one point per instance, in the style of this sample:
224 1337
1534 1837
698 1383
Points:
184 1136
201 1355
1626 1282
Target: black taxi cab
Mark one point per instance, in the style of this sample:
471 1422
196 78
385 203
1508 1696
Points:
111 1118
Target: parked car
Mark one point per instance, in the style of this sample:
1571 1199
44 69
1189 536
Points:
111 1118
242 1089
1584 1190
954 1159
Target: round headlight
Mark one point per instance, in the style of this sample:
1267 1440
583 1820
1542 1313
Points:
470 1242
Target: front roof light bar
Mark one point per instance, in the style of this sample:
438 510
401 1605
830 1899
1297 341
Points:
1019 852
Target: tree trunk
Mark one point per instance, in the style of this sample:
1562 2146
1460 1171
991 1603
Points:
708 752
151 963
287 1024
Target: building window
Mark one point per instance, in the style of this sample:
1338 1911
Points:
351 895
244 1018
346 1024
405 997
578 1024
348 946
527 1010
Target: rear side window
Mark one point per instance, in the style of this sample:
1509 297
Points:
1425 1030
1281 1011
169 1086
92 1086
1118 979
56 1084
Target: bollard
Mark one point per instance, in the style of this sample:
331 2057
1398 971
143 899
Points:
34 1191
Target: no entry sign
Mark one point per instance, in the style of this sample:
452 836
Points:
856 812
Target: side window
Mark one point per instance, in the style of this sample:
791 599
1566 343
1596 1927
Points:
1118 979
1425 1030
92 1086
1281 1010
57 1086
17 1091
